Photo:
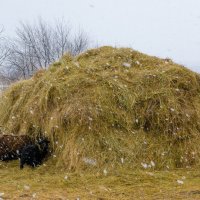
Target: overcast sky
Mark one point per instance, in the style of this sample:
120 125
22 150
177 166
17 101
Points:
163 28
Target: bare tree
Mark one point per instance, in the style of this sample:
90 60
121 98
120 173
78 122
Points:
80 42
37 46
3 50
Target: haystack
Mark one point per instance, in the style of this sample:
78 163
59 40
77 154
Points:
110 108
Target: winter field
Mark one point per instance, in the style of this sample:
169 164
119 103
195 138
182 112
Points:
47 183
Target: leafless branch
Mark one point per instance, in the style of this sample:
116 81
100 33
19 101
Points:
37 46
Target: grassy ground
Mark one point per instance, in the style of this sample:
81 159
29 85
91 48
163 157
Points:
46 183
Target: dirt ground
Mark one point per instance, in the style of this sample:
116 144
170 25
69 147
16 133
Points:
45 182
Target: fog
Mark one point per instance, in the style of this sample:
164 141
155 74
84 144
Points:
169 28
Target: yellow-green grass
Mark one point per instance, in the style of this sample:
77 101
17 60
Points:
110 108
47 182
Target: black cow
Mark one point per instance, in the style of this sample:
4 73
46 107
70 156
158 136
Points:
33 155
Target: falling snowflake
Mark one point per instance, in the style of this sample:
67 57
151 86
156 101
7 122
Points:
34 195
77 64
1 194
125 64
144 165
188 116
90 118
180 182
90 161
150 173
137 62
26 187
152 164
105 172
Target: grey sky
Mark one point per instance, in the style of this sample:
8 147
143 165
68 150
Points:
164 28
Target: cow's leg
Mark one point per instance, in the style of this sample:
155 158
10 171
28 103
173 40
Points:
21 163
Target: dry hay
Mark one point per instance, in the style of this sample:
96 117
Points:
110 108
